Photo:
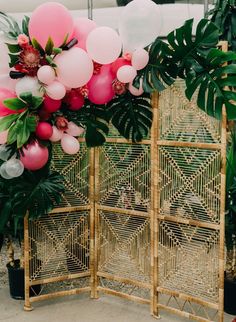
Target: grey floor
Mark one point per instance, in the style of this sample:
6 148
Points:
80 309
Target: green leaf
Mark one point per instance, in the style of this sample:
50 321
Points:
14 104
26 97
25 25
65 40
36 101
28 126
57 50
5 214
14 59
132 116
13 48
49 46
14 131
37 46
6 121
9 26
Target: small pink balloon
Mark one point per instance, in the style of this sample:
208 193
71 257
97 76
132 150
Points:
140 58
46 74
82 27
74 130
103 45
53 20
34 156
74 67
119 63
56 90
126 74
56 134
69 144
3 137
50 105
5 94
136 91
100 86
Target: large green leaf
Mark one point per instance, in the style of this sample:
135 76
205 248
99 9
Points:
212 84
131 115
9 26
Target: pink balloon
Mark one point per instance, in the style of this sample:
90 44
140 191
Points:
5 94
82 27
74 130
34 156
100 86
74 67
140 58
119 63
56 134
3 137
103 45
56 90
50 20
136 91
46 74
126 74
69 144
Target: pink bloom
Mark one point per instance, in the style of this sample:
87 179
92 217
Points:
22 40
127 56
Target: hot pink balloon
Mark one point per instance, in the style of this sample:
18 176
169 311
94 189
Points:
126 74
69 144
100 86
56 134
103 45
50 105
140 58
74 130
3 137
34 156
56 90
53 20
82 27
5 94
46 74
136 91
74 67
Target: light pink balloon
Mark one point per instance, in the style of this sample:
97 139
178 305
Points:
136 91
53 20
140 58
46 74
7 82
3 137
126 74
100 86
56 90
74 67
69 144
34 156
56 134
103 45
82 27
74 130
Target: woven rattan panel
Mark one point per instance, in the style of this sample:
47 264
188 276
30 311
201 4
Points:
189 208
123 219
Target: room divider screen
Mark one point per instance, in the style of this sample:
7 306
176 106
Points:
141 221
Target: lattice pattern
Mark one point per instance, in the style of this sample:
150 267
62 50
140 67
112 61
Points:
181 120
59 245
190 183
124 176
75 170
124 246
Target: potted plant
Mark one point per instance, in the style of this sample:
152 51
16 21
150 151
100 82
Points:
34 193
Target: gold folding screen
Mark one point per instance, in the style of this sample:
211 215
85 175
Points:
141 221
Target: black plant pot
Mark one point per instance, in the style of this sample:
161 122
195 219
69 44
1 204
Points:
230 297
16 278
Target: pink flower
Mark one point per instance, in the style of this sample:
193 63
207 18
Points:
127 56
22 40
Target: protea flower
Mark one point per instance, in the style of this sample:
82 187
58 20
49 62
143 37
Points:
61 123
29 58
119 87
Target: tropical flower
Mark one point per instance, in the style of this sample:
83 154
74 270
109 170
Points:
22 40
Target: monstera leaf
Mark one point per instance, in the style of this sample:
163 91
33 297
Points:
214 83
132 116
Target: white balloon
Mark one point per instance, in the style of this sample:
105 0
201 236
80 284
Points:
14 168
139 24
3 172
4 152
29 84
74 130
7 82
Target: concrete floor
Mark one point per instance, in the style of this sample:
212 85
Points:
81 309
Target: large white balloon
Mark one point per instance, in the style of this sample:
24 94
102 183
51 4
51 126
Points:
14 168
3 172
29 84
139 24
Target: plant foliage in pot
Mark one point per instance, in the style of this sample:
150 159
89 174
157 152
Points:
35 194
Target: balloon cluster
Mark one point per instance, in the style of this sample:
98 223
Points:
65 62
